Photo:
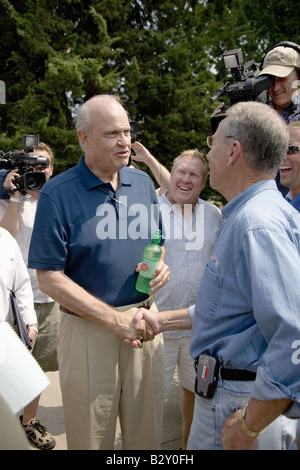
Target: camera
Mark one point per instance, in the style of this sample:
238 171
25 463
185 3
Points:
28 180
247 85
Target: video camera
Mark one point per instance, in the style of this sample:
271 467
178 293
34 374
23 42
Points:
27 180
247 86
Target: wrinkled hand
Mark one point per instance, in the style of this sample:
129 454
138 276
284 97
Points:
161 276
152 319
233 437
137 331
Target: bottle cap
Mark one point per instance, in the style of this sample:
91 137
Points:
157 236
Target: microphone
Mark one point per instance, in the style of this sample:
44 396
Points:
115 200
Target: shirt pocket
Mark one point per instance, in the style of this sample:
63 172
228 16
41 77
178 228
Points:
209 294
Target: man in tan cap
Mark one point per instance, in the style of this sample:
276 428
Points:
283 62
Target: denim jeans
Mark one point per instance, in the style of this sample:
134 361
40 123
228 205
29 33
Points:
209 417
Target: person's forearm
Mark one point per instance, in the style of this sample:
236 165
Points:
175 320
242 434
167 320
260 414
10 220
160 173
74 298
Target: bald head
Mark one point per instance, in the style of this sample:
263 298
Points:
97 105
104 135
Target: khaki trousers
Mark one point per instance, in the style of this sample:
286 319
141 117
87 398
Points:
102 378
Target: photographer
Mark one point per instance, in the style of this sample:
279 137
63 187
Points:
283 62
282 65
17 216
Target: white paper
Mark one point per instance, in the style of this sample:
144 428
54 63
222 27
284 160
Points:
21 377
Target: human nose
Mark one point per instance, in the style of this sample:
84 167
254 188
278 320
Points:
124 138
276 85
186 178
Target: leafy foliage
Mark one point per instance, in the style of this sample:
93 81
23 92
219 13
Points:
162 57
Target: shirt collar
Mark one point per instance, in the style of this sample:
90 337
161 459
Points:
242 198
90 180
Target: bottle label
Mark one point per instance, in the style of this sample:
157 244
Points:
148 267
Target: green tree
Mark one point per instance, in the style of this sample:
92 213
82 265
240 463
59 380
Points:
162 57
55 56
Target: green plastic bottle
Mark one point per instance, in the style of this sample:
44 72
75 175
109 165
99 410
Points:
151 258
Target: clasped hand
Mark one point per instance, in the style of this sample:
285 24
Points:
161 276
146 324
144 321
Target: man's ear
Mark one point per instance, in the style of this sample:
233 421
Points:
83 137
234 153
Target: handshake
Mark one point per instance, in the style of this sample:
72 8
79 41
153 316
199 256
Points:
138 325
146 324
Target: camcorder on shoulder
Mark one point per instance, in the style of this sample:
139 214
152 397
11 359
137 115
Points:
28 180
248 86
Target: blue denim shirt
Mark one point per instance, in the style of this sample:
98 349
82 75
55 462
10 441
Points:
247 312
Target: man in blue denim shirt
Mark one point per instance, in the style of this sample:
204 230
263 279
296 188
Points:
246 315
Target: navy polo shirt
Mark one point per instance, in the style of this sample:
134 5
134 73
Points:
93 233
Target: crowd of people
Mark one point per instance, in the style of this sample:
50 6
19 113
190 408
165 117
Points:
224 304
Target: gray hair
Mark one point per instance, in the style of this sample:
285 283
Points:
83 119
262 132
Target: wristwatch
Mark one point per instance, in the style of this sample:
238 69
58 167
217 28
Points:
15 199
245 428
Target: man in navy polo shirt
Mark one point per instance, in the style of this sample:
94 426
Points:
92 224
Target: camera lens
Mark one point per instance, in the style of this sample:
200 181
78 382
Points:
33 181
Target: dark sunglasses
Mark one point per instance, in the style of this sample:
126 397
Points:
293 149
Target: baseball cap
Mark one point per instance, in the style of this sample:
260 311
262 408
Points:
280 61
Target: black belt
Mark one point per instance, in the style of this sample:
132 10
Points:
145 304
237 374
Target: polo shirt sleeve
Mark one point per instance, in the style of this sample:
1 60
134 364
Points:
48 247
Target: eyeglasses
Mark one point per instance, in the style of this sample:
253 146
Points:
210 138
292 149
